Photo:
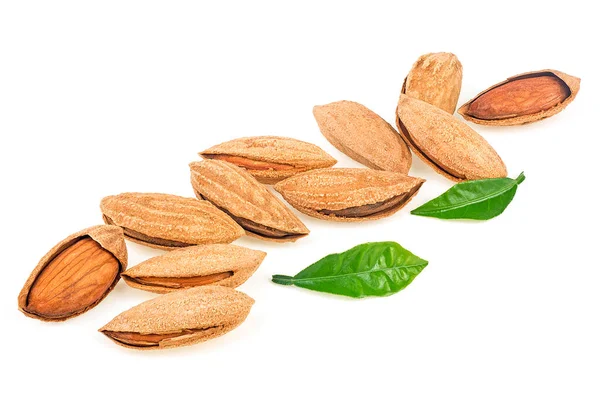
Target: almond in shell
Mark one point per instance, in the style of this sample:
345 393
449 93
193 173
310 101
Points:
448 145
75 275
363 136
522 99
247 201
209 264
349 194
180 318
270 159
167 221
435 78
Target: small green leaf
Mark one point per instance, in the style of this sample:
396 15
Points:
369 269
481 199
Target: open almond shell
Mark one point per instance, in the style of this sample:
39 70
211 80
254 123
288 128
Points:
110 238
571 82
227 265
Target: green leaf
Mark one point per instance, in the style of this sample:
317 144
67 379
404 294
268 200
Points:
369 269
482 199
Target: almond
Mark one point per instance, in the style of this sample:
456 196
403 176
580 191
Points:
363 136
248 202
270 159
435 78
522 99
180 318
75 275
448 145
349 194
210 264
167 222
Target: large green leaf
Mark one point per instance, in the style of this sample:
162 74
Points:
480 199
369 269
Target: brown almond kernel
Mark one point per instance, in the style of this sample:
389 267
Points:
141 340
79 276
180 282
521 97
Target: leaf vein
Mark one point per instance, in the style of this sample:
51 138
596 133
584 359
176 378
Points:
329 277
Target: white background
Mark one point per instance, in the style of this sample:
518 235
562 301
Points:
97 98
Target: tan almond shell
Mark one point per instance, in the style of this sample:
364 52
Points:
110 238
301 155
572 82
448 140
435 78
235 190
196 308
170 217
363 136
195 261
340 188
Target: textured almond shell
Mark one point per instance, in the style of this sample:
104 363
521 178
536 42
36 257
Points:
110 238
435 78
363 136
571 81
301 155
340 188
449 141
170 217
235 190
196 308
195 261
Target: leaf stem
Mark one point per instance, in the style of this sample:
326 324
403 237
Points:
520 178
283 279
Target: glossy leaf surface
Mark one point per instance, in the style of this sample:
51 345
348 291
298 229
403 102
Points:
369 269
480 199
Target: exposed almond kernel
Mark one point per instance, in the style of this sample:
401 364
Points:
75 275
522 99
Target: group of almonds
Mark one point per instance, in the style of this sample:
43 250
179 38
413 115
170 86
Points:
197 278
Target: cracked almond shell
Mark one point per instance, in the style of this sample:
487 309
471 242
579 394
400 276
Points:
180 318
363 136
270 159
349 194
435 78
521 102
75 275
247 201
448 145
209 264
167 221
